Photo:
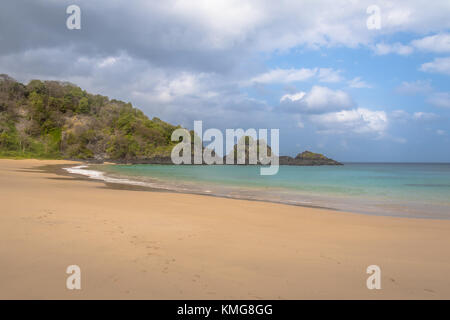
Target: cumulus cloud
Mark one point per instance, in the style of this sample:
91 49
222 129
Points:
293 97
333 111
438 65
318 100
360 120
439 43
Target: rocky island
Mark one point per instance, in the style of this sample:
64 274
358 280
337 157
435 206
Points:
308 158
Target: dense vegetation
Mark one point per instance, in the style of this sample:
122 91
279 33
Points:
51 119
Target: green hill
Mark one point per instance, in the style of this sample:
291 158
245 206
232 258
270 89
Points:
51 119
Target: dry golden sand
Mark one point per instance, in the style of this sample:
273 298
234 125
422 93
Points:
155 245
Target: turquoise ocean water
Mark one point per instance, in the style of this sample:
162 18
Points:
406 190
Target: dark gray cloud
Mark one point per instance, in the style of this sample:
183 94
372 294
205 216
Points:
144 30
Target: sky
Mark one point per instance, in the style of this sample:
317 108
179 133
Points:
315 70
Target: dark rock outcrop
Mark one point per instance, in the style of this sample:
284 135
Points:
308 158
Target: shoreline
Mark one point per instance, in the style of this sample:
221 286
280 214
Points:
58 169
163 245
330 203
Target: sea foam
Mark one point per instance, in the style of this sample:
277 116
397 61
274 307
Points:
98 175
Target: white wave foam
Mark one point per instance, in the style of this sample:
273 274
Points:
98 175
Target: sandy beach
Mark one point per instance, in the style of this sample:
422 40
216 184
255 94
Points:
133 244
